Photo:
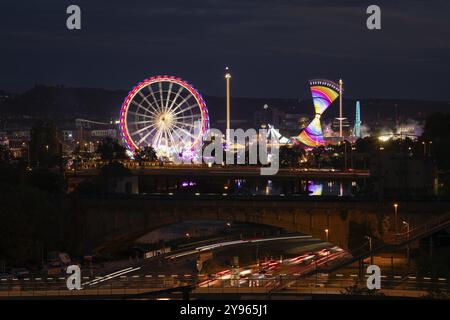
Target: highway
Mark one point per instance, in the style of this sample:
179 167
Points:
291 274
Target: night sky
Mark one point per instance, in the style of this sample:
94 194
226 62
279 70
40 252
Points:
273 47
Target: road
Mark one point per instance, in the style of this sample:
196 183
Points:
292 274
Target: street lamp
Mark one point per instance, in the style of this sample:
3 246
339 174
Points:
25 144
345 155
370 249
407 238
395 217
328 251
227 79
351 156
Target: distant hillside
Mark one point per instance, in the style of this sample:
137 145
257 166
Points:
61 102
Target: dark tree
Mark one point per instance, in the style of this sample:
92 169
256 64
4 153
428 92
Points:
367 145
99 184
5 154
45 147
437 131
290 156
146 154
110 149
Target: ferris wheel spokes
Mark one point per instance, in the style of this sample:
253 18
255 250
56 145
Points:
168 94
154 98
141 106
146 135
177 95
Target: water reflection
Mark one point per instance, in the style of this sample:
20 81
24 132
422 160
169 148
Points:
315 189
331 188
256 186
310 187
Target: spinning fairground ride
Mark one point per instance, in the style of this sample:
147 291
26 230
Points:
324 93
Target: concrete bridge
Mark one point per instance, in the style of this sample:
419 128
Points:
170 177
118 219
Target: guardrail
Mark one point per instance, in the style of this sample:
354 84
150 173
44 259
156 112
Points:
418 232
396 240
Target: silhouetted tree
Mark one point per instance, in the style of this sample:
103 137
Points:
367 145
110 149
146 154
99 184
45 147
437 130
5 154
290 156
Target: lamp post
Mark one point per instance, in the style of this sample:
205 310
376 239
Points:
345 155
370 249
227 79
407 238
341 83
27 144
351 157
395 216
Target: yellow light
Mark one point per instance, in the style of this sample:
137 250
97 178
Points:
384 138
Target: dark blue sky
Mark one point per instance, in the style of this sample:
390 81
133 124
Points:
273 47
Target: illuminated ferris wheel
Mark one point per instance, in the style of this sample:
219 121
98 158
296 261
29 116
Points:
165 113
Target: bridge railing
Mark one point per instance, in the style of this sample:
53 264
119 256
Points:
398 239
417 232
